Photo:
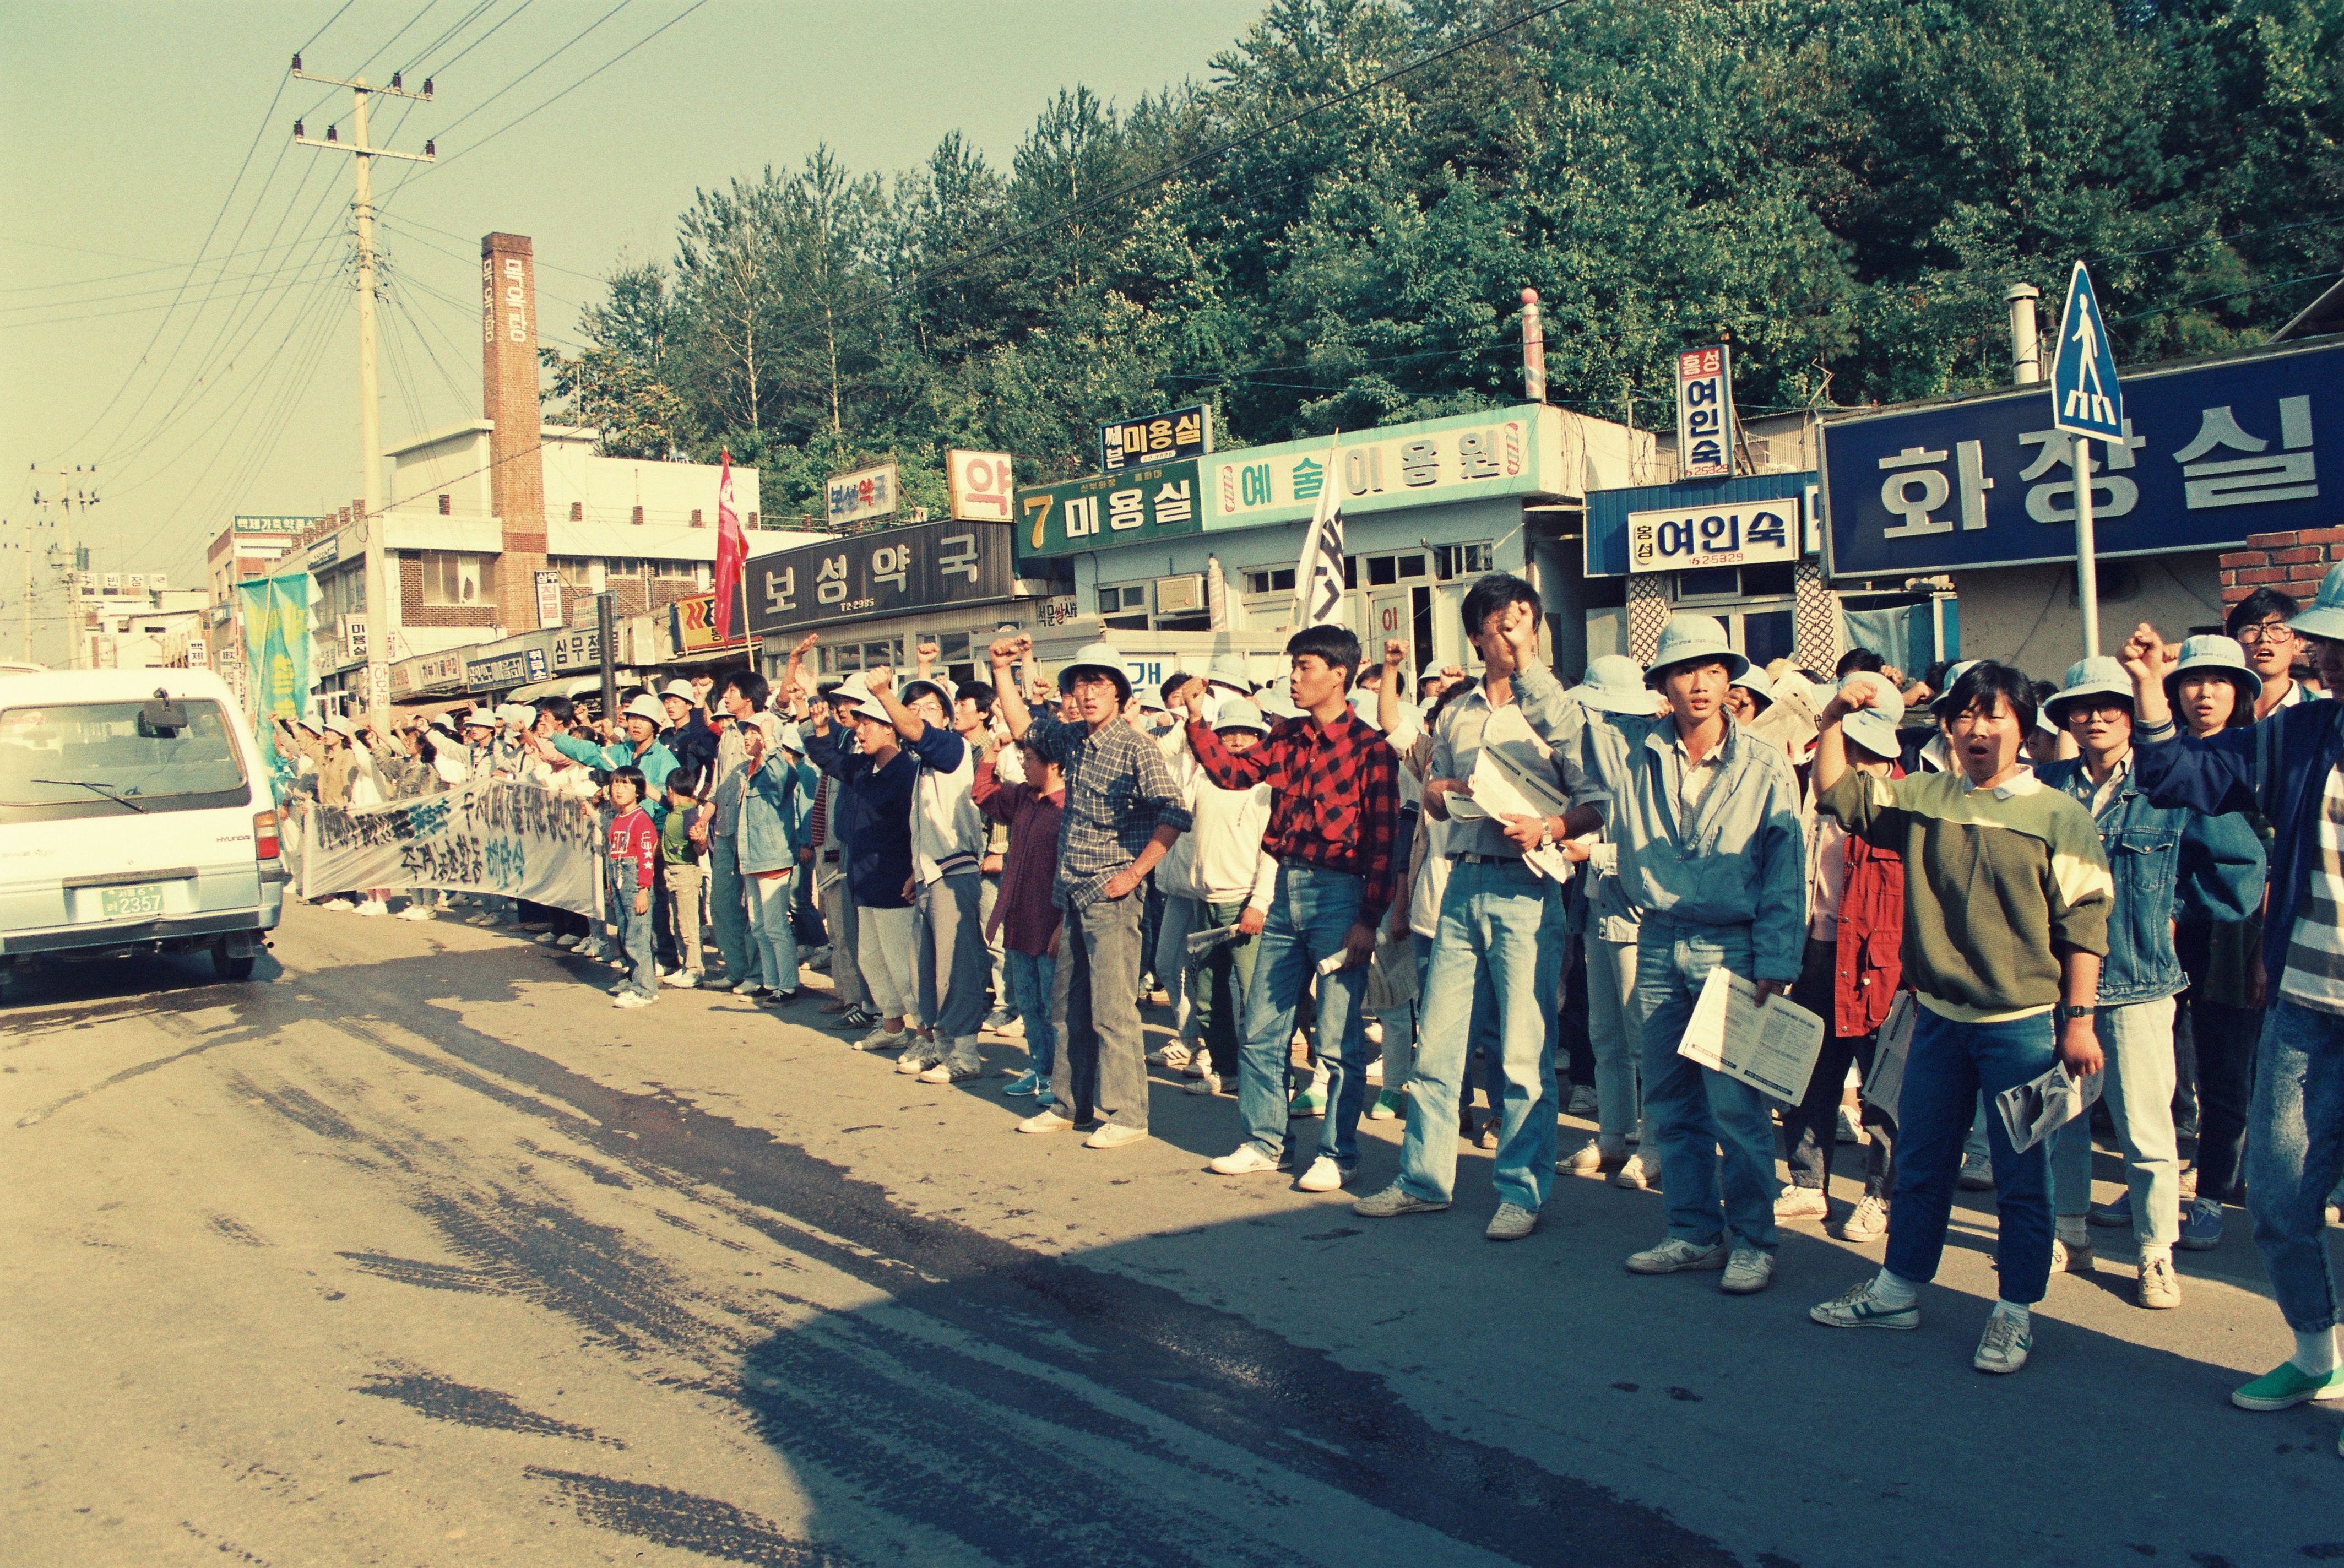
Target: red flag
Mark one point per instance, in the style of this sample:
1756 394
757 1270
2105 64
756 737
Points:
732 551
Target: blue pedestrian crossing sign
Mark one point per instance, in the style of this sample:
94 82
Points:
2085 398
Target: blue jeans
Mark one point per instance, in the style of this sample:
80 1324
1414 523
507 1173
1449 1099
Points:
1482 1046
2137 1042
1949 1065
772 938
1714 1134
2295 1151
1501 930
1311 910
1030 975
635 939
727 908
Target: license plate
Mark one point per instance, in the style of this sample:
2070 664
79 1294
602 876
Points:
130 902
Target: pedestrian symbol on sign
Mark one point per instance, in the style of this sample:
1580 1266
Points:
2085 398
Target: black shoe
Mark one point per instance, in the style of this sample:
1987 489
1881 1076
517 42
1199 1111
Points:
858 1017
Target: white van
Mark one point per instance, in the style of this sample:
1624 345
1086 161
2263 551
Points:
137 816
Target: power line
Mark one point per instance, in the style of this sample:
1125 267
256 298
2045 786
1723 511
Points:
320 33
2233 294
136 272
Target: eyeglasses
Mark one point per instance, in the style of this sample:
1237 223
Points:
2271 631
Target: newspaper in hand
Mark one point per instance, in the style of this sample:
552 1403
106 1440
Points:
2033 1110
1884 1084
1514 776
1772 1049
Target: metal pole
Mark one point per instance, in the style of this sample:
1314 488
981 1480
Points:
2087 585
606 634
2026 344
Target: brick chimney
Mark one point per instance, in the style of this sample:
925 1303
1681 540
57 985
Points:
509 399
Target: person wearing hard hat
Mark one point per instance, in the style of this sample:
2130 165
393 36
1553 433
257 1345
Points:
871 810
2006 905
2151 852
1123 811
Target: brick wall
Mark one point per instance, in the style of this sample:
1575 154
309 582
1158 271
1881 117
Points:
415 612
508 397
2293 563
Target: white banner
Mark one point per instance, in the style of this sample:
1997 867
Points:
510 839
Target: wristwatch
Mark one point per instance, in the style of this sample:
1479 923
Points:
2067 1011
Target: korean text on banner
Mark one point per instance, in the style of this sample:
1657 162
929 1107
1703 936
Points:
514 840
1772 1049
1318 575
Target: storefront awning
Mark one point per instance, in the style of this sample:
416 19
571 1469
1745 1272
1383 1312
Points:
570 686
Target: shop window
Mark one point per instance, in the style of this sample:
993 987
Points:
1711 583
1184 623
1767 635
1409 566
1126 608
453 578
1776 577
1450 562
1382 571
1277 580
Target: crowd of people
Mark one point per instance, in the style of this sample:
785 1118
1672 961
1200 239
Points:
2134 874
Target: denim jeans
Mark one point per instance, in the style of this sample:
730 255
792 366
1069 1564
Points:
1500 927
1714 1134
1811 1128
2295 1153
1102 1064
1949 1065
728 907
2137 1040
773 938
635 942
1182 915
1311 910
1615 1031
1481 1045
1030 979
951 967
1217 991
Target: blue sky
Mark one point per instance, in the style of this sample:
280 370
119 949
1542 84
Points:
123 126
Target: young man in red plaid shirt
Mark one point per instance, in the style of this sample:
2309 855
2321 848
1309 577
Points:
1335 813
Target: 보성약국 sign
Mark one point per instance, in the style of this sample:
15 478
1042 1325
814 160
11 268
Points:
1157 439
878 573
1110 510
2211 453
860 496
1732 533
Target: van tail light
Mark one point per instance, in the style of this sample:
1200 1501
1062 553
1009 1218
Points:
264 836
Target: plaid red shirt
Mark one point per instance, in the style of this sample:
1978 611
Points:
1334 793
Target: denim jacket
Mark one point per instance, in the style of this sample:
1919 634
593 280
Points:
2151 850
1740 861
773 814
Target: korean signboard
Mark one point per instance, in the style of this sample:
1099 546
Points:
693 627
427 672
1705 412
549 600
1743 533
2211 453
1438 460
980 487
246 522
1105 511
920 567
517 660
1159 438
862 496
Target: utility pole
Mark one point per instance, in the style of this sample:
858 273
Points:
382 617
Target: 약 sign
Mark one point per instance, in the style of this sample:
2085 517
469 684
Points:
1159 438
1738 533
918 567
860 496
2207 455
979 486
1705 412
1108 509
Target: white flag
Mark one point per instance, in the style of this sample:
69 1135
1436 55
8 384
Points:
1318 575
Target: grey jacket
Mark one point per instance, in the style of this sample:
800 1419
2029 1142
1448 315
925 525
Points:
1740 861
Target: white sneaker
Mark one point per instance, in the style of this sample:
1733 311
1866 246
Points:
2003 1347
1204 1084
1747 1272
375 907
1245 1159
545 938
1324 1175
1045 1121
1677 1255
1800 1203
1173 1057
682 979
919 1056
631 1000
1641 1173
1511 1222
1115 1134
415 911
882 1038
1589 1160
568 939
1868 1223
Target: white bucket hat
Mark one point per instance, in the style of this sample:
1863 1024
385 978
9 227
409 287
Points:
1690 639
647 706
1875 728
2100 677
1615 684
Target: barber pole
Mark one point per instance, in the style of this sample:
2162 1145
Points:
1533 349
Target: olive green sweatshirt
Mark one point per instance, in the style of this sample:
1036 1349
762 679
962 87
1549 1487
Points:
1998 883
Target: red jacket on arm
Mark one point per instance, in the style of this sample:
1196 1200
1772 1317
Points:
1334 793
1867 965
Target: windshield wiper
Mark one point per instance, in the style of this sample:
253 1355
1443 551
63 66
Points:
99 788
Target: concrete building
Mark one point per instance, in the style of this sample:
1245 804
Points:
136 620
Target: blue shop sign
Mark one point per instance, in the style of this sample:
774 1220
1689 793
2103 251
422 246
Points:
1611 550
2212 452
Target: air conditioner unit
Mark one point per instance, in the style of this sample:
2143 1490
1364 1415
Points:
1180 595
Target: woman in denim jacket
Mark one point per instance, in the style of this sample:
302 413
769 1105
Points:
2149 849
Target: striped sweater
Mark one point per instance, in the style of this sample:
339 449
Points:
1998 885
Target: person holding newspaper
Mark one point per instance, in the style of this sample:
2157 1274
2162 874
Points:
2006 903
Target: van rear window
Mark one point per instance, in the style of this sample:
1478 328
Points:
101 757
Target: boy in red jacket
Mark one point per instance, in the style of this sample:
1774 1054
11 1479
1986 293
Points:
634 857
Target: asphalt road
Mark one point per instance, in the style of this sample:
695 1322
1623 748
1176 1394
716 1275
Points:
414 1251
